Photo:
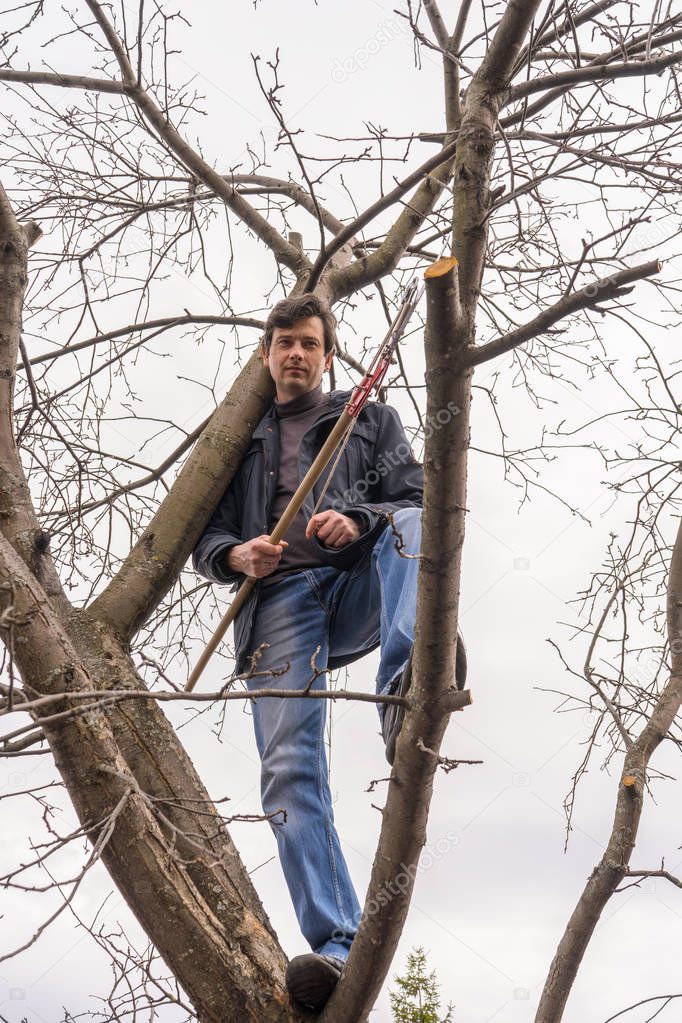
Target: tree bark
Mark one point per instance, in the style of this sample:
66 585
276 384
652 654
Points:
220 950
17 515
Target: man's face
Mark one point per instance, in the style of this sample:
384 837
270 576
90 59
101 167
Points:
296 359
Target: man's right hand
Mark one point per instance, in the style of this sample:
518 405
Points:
257 557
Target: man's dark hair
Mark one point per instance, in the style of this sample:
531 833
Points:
288 311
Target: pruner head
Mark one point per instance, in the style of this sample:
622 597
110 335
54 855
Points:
411 296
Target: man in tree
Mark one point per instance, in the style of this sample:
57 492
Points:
338 588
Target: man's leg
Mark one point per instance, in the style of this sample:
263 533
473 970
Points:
381 594
293 619
378 599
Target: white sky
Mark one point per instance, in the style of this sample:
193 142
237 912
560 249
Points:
492 907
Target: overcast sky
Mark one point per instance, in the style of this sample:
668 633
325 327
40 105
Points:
496 889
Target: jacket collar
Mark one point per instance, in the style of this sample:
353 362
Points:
337 401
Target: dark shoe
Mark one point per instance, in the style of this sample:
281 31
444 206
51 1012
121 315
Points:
394 714
311 978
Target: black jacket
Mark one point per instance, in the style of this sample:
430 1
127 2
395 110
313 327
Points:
377 473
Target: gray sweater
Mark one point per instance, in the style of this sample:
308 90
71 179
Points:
295 418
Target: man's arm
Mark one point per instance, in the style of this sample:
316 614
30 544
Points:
394 479
221 556
222 534
400 482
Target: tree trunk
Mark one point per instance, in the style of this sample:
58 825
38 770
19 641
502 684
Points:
432 693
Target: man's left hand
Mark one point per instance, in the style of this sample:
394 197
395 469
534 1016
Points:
332 528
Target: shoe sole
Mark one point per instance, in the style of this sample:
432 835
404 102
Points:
310 980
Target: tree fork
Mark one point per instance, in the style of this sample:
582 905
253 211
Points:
220 972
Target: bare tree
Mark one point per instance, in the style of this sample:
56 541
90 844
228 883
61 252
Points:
548 108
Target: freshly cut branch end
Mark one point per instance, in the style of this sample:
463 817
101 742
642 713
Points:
457 699
441 267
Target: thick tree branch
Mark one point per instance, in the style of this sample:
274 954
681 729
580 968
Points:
580 131
460 25
498 63
157 558
665 874
592 295
18 519
449 45
471 186
628 49
62 80
619 128
437 23
593 73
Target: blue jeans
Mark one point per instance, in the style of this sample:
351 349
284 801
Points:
343 613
